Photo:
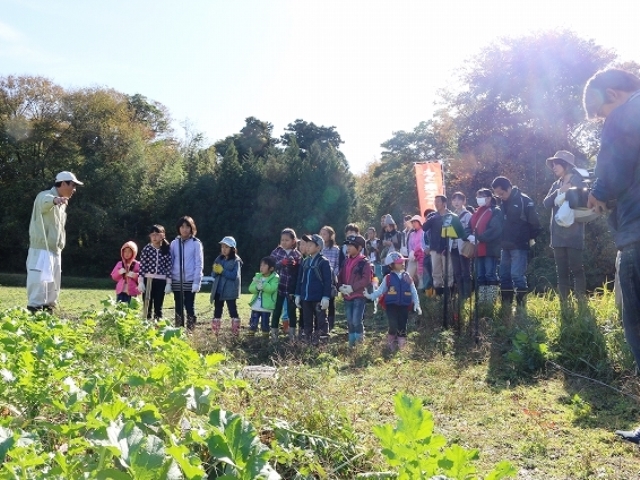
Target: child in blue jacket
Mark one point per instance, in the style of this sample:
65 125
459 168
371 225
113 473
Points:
226 284
313 289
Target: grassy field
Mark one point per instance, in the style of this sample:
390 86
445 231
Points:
507 396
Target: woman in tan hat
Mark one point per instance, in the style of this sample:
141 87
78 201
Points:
567 241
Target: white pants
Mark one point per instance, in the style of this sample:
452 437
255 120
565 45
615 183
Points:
42 293
412 270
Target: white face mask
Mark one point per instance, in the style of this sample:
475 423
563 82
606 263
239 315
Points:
480 201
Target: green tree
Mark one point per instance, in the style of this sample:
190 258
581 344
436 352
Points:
519 102
255 137
306 134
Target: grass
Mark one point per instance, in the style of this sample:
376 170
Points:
505 396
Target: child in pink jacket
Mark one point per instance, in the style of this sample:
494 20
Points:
125 273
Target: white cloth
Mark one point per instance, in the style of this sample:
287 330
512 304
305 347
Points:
565 215
45 264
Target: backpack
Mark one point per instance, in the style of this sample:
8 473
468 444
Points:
381 299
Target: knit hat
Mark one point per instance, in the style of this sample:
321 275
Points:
388 220
132 246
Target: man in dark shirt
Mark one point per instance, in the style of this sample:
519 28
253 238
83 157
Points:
614 95
521 226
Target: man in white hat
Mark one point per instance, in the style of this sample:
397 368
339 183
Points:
46 240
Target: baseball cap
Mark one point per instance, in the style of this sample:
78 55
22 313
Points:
314 238
356 240
228 241
67 177
394 257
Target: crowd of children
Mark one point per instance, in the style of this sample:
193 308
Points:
297 283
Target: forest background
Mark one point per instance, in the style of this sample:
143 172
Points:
508 109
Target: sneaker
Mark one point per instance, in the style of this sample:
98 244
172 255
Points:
630 435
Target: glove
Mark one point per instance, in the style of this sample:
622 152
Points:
297 299
341 289
195 288
122 271
324 303
259 285
472 238
167 289
367 295
141 287
412 256
348 289
131 274
417 309
217 268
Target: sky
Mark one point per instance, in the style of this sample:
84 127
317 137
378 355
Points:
368 68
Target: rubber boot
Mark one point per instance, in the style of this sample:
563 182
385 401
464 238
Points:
215 325
274 334
191 322
179 322
507 298
359 338
402 341
292 334
521 298
352 339
391 342
235 326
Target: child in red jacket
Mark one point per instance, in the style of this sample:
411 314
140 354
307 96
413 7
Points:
125 273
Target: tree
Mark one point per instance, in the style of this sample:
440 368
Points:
520 101
255 137
306 134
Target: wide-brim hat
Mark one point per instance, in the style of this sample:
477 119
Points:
568 158
416 218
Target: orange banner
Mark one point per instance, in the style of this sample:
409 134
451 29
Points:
430 183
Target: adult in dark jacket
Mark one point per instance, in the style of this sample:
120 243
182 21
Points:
521 226
615 96
486 226
567 241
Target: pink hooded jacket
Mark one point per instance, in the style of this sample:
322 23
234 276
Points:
125 283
